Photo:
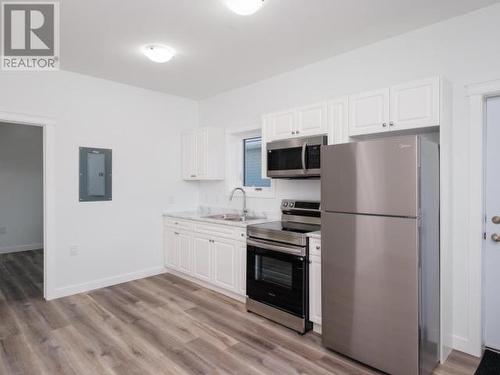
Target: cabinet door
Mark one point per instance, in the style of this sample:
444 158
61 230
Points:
185 253
266 137
338 126
369 112
415 104
283 125
225 264
171 247
202 257
312 120
201 153
189 156
315 290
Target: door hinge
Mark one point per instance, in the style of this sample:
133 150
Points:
484 235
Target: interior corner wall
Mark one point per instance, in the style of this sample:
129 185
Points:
101 243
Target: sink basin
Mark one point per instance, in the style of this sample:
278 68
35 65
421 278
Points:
232 217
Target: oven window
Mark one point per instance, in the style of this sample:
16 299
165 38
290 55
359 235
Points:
274 271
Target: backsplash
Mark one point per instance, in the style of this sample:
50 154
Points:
216 194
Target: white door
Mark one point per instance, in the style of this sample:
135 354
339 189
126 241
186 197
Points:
312 120
283 125
415 104
171 246
369 112
185 255
201 153
202 256
492 247
224 257
189 155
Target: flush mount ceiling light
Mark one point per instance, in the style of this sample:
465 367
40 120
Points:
244 7
158 53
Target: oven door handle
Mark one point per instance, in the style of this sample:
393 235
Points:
294 250
304 167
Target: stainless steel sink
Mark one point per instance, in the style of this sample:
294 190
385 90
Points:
233 217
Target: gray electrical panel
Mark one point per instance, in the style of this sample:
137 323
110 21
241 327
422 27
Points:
95 174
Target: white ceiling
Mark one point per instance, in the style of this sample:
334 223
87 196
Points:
218 50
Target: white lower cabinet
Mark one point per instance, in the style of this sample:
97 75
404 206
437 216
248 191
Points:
202 254
225 265
315 289
218 260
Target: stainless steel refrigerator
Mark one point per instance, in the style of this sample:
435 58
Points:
380 252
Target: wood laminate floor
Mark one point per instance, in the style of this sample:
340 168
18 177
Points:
158 325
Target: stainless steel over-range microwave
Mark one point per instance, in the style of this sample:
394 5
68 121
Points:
295 158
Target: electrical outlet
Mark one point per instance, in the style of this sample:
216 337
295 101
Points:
3 230
73 250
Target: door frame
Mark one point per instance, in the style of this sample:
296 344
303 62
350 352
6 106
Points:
477 94
48 127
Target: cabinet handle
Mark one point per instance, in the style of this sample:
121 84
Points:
297 132
384 124
317 247
193 176
391 123
293 133
176 233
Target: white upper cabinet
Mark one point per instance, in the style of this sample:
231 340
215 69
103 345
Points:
312 120
410 105
203 154
298 122
415 104
369 112
283 124
338 126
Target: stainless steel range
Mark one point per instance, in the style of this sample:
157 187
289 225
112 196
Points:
278 265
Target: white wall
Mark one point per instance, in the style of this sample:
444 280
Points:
464 50
122 238
21 188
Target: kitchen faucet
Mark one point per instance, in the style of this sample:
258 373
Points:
245 211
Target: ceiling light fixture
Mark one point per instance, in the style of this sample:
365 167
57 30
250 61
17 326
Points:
244 7
158 53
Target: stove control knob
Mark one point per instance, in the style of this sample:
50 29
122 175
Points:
291 204
285 204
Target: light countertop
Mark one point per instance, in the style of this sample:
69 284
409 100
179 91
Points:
201 213
316 235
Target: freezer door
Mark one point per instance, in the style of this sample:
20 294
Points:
373 177
370 290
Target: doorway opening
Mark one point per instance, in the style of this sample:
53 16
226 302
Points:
21 211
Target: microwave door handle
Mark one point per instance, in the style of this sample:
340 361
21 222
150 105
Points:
304 167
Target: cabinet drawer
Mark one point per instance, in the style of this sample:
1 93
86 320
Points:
216 230
314 247
177 223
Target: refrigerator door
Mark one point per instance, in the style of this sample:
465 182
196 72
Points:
374 177
370 290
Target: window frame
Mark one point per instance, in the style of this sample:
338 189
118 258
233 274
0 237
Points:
236 166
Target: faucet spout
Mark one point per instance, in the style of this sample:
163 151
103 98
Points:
245 211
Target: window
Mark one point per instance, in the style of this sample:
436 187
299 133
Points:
252 164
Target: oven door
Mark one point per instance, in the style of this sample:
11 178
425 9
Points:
277 276
297 158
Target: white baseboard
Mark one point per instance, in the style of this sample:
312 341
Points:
18 248
462 344
103 283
